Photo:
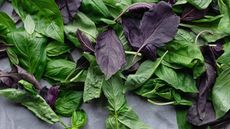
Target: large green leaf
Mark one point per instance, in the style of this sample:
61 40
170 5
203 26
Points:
224 59
6 24
68 102
30 51
93 83
45 14
221 93
144 72
34 103
121 116
183 51
59 69
178 80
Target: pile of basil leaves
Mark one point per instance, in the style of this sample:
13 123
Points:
172 52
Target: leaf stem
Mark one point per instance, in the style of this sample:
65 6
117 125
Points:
198 35
133 53
161 104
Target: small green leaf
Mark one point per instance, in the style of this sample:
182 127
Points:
68 102
29 24
79 119
56 48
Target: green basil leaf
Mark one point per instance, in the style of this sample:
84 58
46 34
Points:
34 103
220 93
183 51
68 102
30 51
28 86
56 48
178 80
79 119
29 24
6 24
145 71
121 116
93 83
45 14
59 69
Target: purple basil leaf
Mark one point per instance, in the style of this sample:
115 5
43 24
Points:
193 116
27 76
191 13
137 8
8 80
157 27
172 1
109 53
86 44
218 50
202 112
68 8
50 94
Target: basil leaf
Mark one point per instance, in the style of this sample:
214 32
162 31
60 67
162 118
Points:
29 24
183 51
45 14
6 24
56 49
121 116
178 80
93 83
59 69
67 102
224 59
144 73
110 55
29 50
34 103
79 119
220 93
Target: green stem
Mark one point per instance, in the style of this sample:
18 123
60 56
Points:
161 104
198 35
133 53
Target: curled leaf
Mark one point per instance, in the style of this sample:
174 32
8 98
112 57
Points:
86 44
157 26
109 53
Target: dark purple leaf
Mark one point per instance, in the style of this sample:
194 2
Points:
50 94
27 76
157 26
109 53
191 13
68 8
218 50
202 112
8 80
86 44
